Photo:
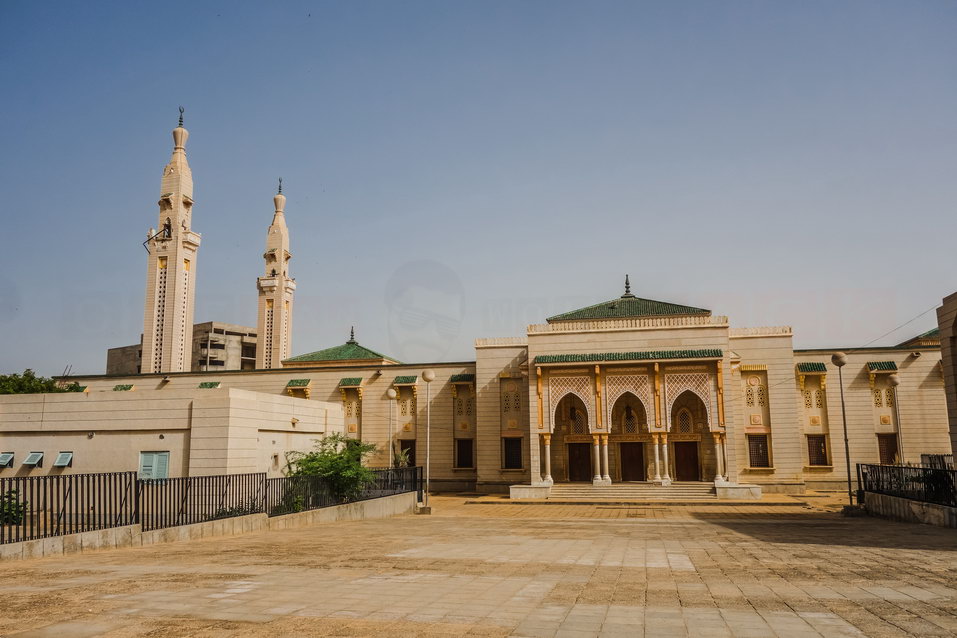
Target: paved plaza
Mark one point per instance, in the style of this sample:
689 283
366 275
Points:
496 568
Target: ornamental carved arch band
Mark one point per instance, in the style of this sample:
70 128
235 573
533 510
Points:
581 387
698 383
620 384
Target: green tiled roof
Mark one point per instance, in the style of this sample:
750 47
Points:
348 351
298 383
710 353
209 385
407 380
933 332
881 365
123 387
811 366
628 306
350 382
462 378
80 388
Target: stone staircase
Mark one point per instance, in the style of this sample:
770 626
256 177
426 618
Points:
628 492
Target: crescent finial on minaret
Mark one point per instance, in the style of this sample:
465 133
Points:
627 288
352 334
181 111
280 186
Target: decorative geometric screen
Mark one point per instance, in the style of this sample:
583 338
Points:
697 382
558 387
637 384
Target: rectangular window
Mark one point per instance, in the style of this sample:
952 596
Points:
816 449
512 453
408 446
758 452
463 453
154 465
887 446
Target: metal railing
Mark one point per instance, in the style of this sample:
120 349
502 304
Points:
197 499
928 485
43 506
33 507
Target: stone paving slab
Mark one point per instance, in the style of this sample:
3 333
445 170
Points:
529 570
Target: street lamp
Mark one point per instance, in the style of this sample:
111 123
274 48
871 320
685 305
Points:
839 359
893 381
392 394
428 376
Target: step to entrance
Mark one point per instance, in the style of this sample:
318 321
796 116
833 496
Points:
633 492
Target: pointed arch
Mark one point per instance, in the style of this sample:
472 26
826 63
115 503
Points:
637 384
697 383
628 421
580 386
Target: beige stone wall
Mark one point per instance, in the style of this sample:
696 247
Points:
498 359
920 399
210 431
947 323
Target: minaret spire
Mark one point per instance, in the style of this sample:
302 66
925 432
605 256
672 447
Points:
171 275
276 290
352 334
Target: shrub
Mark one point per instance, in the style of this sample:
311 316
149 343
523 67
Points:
338 460
12 511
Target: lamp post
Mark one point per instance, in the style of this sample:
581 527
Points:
893 381
839 359
392 394
428 376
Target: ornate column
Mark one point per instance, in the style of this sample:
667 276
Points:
654 437
666 475
547 439
604 459
596 479
724 456
719 469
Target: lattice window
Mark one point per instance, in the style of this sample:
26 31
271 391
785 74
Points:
404 407
889 398
468 406
878 398
759 454
816 449
577 420
698 383
619 384
558 387
629 421
460 406
507 401
819 398
762 392
749 397
685 422
807 399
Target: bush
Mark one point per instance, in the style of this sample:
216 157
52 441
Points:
338 460
12 510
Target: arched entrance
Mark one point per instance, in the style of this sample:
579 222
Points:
693 454
630 457
572 458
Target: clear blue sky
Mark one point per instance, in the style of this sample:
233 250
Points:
779 162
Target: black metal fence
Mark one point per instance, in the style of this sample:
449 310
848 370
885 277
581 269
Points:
33 507
45 506
196 499
929 485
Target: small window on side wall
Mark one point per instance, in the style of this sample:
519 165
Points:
512 453
463 453
154 465
759 454
816 449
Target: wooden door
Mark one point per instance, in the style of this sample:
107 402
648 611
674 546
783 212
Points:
579 462
632 459
686 461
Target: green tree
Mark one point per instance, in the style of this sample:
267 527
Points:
30 383
338 460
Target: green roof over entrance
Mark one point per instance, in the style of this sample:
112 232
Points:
812 366
628 306
709 353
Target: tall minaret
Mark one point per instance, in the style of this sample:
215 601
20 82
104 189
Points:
276 288
171 269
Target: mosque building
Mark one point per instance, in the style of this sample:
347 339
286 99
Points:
626 391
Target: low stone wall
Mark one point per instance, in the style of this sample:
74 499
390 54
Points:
519 492
737 492
132 536
904 509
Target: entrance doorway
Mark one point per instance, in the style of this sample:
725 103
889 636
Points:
632 461
408 446
686 461
579 462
